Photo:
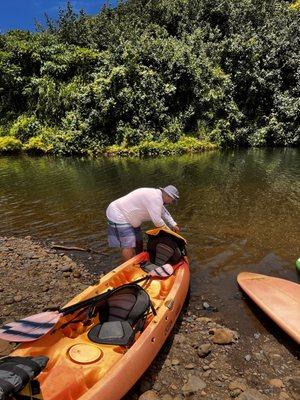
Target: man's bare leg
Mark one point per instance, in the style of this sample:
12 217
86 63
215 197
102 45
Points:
139 247
127 253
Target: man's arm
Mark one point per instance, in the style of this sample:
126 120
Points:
155 212
169 220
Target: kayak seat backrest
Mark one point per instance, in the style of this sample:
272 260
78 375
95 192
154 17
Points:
17 372
121 316
165 249
164 252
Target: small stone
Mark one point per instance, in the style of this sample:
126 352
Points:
52 307
235 393
193 385
204 350
252 394
256 335
18 298
66 268
175 362
77 274
238 384
157 386
149 395
259 356
208 307
45 288
248 357
223 336
276 383
189 366
167 397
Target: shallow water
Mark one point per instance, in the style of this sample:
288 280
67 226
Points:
239 210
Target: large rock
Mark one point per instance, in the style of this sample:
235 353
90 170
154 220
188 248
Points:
277 383
193 385
223 336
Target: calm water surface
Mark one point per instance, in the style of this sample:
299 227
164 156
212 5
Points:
240 210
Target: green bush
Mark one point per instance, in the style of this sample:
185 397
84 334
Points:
3 131
150 148
10 144
259 137
58 141
24 128
172 132
38 145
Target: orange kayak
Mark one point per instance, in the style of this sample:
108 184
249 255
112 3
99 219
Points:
79 368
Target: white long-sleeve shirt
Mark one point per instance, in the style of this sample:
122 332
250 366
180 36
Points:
138 206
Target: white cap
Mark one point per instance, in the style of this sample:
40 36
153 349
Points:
171 191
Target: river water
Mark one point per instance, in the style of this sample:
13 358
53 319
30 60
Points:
239 211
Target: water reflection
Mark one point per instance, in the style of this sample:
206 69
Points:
240 209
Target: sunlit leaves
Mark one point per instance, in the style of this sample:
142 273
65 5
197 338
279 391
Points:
155 70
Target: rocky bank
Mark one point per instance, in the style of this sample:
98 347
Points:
202 358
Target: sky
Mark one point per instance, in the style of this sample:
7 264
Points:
21 14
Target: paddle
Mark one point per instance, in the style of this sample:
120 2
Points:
37 325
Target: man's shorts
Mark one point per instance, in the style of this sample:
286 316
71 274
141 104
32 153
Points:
123 235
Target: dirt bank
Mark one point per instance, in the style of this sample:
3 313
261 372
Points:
202 359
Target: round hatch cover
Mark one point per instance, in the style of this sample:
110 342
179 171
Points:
84 353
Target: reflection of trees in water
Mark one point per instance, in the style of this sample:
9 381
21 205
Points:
232 195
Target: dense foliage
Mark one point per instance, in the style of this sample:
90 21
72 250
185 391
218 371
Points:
149 71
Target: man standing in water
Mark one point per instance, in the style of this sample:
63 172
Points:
126 214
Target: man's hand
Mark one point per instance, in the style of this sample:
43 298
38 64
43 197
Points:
176 229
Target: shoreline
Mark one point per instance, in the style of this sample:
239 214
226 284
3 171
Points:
185 145
201 359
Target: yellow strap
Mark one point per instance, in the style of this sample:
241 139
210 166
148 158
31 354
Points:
155 231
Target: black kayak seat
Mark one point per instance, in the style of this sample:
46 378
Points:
164 249
121 316
160 256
